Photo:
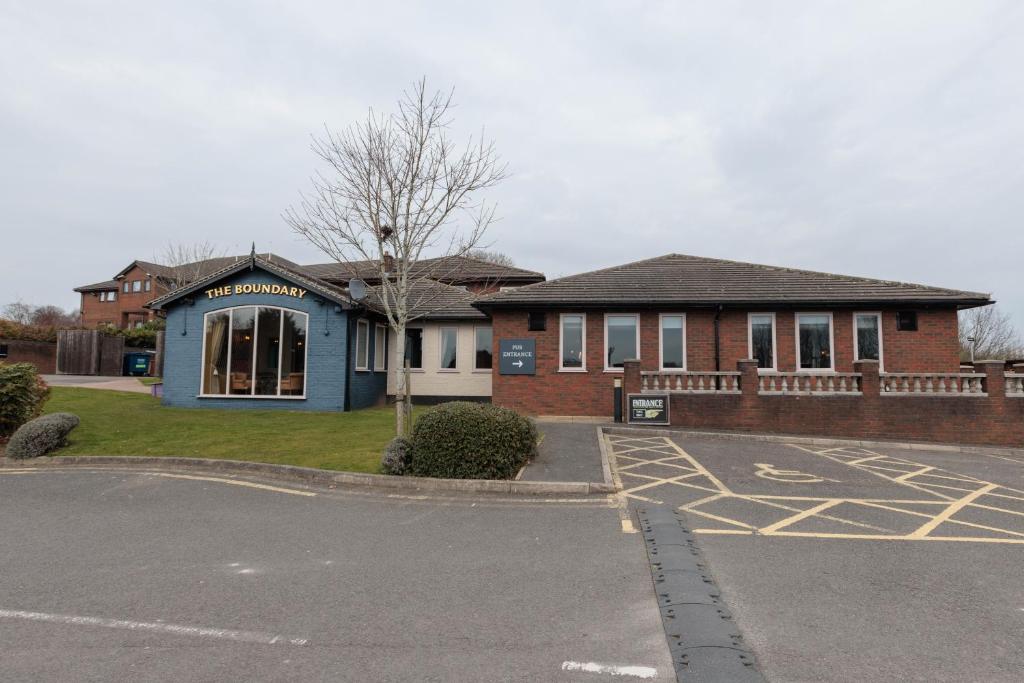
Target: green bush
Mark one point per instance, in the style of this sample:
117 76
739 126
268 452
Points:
462 440
22 395
396 456
41 435
139 337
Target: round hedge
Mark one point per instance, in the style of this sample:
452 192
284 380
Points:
396 456
461 440
40 436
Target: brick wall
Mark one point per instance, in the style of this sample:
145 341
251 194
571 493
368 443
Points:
994 419
43 355
932 348
129 306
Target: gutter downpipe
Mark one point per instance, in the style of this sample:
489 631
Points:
718 346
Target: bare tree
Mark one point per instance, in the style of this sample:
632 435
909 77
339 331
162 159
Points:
47 315
495 257
995 337
398 187
186 261
19 312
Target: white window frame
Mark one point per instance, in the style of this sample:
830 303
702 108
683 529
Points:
583 339
604 360
423 337
831 343
148 286
136 286
440 348
856 341
380 347
127 286
255 332
483 327
362 326
103 296
112 296
661 341
775 340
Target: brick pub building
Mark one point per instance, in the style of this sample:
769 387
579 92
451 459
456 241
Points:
749 347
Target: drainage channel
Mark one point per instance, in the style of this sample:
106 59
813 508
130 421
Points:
703 639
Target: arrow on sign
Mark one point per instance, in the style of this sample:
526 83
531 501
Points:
518 364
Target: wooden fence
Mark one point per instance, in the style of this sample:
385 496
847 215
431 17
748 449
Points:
89 352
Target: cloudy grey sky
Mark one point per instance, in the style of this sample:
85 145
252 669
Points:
878 139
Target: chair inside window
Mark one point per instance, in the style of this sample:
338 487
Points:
240 382
292 383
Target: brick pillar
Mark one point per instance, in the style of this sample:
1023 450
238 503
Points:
870 383
630 377
995 377
748 376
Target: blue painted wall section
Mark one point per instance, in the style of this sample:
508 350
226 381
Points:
326 362
369 387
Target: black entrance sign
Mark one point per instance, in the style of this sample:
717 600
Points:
517 357
647 409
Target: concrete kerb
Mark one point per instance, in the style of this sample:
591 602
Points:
317 477
818 441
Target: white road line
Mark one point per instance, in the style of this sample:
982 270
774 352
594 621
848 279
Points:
173 629
234 482
610 669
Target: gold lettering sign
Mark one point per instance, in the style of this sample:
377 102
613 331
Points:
256 288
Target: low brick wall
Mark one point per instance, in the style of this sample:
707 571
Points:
43 355
993 419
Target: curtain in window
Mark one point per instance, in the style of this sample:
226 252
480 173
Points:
449 348
815 342
215 365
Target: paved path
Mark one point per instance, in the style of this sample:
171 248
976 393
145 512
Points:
120 575
568 452
93 382
852 564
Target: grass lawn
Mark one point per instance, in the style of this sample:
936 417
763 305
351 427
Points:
123 423
150 380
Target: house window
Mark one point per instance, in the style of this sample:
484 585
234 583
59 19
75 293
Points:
867 336
483 343
621 340
414 348
906 321
112 296
537 321
254 351
127 286
449 347
136 285
572 343
673 342
362 345
148 285
761 339
103 296
380 341
814 341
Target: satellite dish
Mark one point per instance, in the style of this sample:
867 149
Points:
357 289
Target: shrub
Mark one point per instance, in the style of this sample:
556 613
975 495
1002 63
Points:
41 435
22 395
462 440
396 456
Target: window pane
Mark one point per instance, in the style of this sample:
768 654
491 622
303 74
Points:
762 340
621 339
215 363
268 351
815 345
449 344
137 285
243 321
484 341
572 341
672 341
867 337
126 286
293 354
380 337
414 348
362 344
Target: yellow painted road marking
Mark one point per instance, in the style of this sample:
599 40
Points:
235 482
771 528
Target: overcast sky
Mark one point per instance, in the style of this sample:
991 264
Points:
883 141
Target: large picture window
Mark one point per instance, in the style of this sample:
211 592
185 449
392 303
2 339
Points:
814 341
867 337
572 344
761 339
673 342
254 351
621 340
484 355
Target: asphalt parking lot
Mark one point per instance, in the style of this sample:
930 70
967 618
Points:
852 564
127 575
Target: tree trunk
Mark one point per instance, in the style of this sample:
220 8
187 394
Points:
398 368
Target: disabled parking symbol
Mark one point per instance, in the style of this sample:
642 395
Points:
768 471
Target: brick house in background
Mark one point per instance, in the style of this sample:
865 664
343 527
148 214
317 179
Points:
684 314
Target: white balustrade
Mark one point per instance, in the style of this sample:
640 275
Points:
932 384
1014 385
690 382
848 383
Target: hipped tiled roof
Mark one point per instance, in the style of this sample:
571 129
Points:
432 300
